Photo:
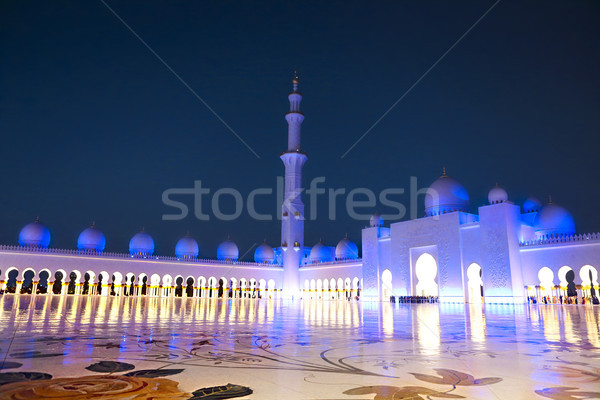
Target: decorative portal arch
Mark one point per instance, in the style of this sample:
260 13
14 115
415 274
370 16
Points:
332 288
233 287
386 285
426 271
189 286
319 288
348 288
306 286
325 289
12 277
271 286
475 283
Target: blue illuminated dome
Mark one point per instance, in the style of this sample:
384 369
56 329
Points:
446 195
34 234
91 238
532 205
141 244
186 247
228 251
264 254
346 249
320 253
497 195
554 220
376 220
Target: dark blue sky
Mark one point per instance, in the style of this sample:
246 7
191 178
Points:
94 127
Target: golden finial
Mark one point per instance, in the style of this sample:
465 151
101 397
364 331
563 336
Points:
444 172
296 80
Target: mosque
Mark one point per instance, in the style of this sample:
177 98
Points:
504 253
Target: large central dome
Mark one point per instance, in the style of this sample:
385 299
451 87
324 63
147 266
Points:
446 195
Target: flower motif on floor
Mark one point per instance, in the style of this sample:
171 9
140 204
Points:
401 393
100 387
454 378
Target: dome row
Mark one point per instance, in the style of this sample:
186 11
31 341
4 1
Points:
345 250
447 195
36 234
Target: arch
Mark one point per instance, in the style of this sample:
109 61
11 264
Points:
546 277
179 283
306 285
386 285
426 271
313 285
584 274
562 276
155 280
167 280
201 285
325 286
271 285
25 270
12 277
262 285
43 277
319 288
475 283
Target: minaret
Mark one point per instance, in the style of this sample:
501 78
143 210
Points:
292 219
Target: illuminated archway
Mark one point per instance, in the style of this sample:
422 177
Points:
546 277
426 271
475 283
386 285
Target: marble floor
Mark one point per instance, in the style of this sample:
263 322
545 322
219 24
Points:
172 348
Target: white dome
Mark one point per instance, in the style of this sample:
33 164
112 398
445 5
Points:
186 247
532 205
320 253
376 220
446 195
497 195
264 254
228 251
554 220
34 234
91 238
141 244
346 249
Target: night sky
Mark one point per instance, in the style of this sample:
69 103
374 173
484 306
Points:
95 127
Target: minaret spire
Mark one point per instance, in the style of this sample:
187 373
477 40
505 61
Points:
292 209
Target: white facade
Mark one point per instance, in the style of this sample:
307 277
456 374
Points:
502 254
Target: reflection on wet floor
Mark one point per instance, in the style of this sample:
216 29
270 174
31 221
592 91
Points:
308 349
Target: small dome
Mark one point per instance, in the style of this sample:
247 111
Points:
376 220
141 244
264 254
446 195
186 247
497 195
228 251
532 205
346 249
554 220
91 238
320 253
34 234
